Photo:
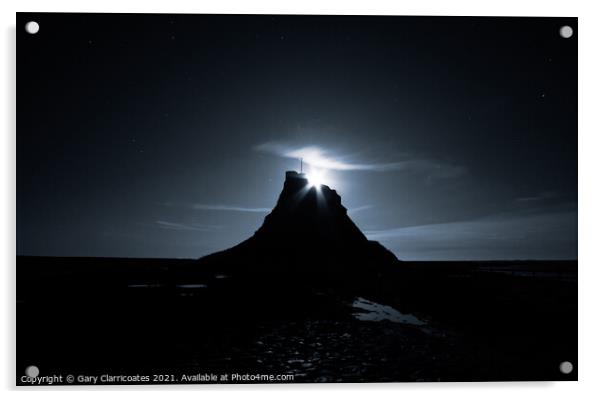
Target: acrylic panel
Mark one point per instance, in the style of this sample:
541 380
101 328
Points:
295 199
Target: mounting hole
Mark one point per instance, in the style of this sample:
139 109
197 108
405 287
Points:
32 27
566 367
32 371
566 31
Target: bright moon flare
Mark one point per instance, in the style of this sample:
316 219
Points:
316 178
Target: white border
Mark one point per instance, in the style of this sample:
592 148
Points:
590 201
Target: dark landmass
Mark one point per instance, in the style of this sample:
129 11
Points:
307 295
484 321
308 230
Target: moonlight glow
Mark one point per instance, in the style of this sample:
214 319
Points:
316 178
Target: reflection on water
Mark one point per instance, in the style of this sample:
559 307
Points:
145 285
376 312
553 275
181 286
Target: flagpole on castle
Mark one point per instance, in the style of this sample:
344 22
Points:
301 165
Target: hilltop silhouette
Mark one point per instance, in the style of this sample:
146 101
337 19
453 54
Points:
308 229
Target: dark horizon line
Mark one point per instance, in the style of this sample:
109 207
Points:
399 260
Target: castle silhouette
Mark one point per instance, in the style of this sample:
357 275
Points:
308 229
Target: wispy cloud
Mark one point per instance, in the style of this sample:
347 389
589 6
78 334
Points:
185 227
546 195
228 208
547 235
321 158
360 208
434 169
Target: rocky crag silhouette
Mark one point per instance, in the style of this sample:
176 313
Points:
308 230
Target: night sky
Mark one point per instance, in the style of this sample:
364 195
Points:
169 135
